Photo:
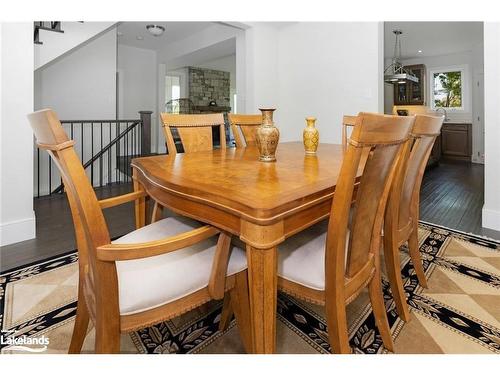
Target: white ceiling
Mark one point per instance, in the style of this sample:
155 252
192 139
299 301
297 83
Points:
213 52
432 38
174 31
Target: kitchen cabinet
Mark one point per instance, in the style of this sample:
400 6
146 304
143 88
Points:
411 93
456 141
435 155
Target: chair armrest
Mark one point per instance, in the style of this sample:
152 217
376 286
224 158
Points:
116 252
217 282
120 199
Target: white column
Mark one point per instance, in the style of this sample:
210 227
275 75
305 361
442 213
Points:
17 219
262 82
491 208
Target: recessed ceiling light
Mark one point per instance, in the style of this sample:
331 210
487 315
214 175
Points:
139 37
155 30
419 51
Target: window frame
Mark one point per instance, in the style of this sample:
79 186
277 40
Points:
464 70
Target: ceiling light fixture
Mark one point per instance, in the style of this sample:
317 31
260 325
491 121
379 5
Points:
419 51
396 72
155 30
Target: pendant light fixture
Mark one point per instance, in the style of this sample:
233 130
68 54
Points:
396 73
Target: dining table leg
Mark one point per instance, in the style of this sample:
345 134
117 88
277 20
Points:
263 286
140 203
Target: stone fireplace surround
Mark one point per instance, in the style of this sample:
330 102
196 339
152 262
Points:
205 85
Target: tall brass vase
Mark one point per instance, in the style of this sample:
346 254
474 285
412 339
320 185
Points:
268 136
310 136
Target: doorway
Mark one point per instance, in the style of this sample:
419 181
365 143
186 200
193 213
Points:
450 58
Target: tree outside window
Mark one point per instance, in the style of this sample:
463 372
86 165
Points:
447 89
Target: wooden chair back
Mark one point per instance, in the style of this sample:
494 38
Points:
195 131
347 122
380 138
244 128
404 198
90 226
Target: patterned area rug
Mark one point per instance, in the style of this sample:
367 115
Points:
458 313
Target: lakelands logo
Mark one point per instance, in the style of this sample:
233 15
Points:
11 341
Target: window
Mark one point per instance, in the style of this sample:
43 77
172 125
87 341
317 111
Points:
173 91
448 88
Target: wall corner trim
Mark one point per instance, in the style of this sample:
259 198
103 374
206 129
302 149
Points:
491 219
18 230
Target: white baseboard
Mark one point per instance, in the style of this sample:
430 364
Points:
17 231
491 219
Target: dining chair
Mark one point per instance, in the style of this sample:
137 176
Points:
244 128
331 262
155 273
402 213
347 122
195 133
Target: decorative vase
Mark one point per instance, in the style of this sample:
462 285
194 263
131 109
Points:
268 136
310 136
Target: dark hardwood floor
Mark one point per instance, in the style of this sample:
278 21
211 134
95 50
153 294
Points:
451 196
55 234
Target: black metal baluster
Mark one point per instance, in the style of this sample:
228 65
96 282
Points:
140 138
82 142
109 156
61 184
91 154
139 145
126 153
134 140
117 152
100 162
50 175
38 172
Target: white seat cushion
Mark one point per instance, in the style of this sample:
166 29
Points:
151 282
301 258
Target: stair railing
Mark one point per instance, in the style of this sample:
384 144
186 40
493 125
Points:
106 148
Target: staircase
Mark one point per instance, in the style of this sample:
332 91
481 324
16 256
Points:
105 147
54 26
54 39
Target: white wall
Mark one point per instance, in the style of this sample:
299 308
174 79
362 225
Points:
137 88
17 220
327 70
491 208
79 86
261 68
57 44
241 69
138 91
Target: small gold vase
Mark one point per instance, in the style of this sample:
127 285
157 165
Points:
268 136
310 136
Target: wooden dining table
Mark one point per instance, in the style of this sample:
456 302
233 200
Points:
261 203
